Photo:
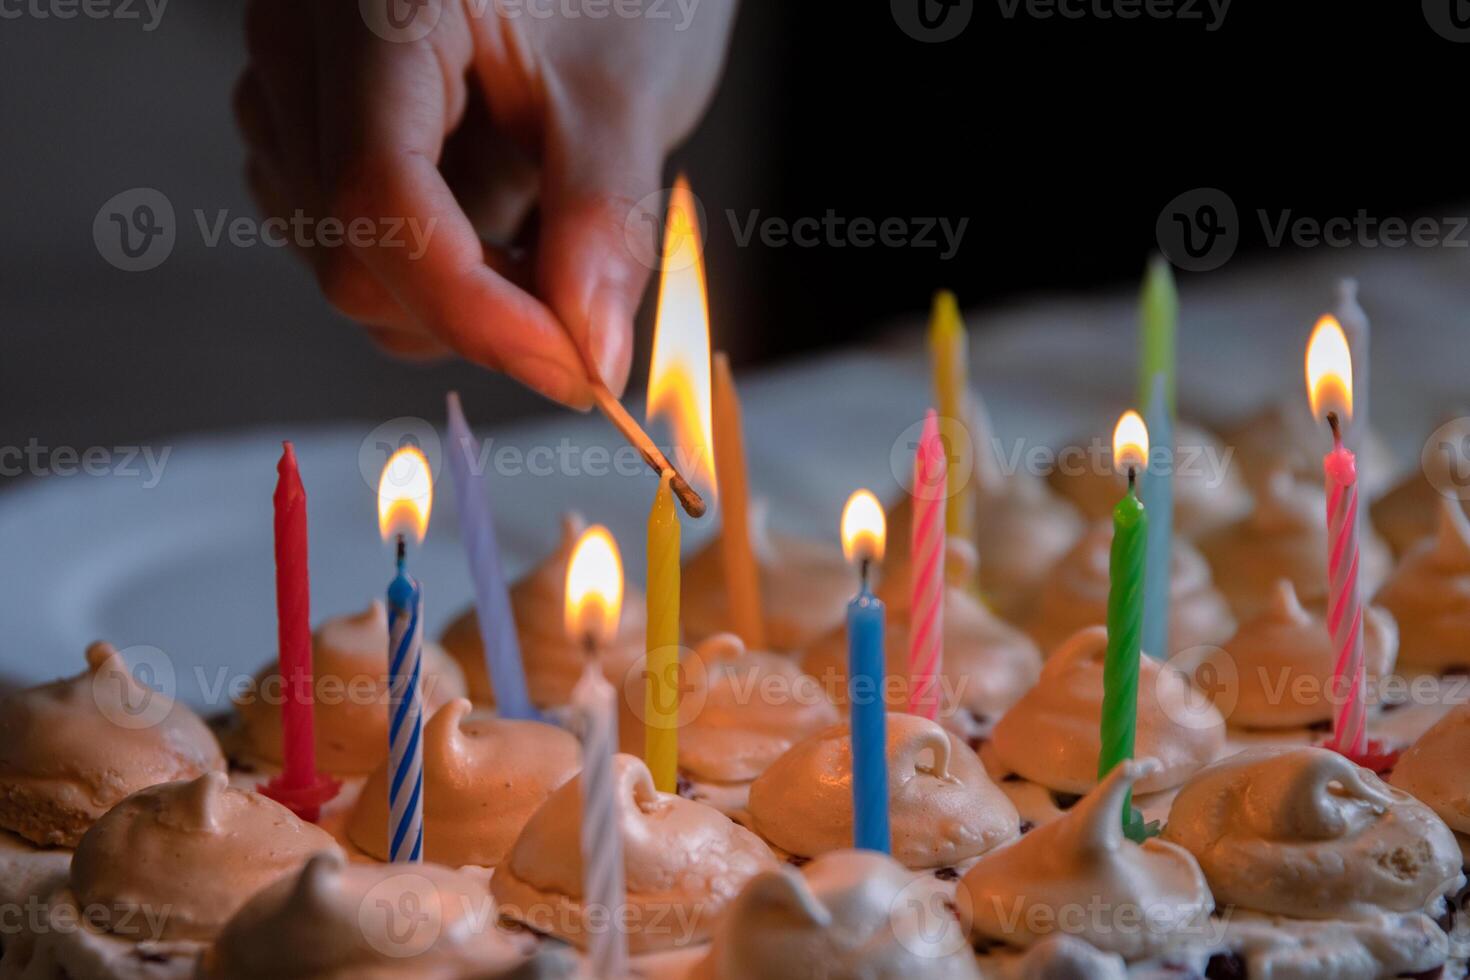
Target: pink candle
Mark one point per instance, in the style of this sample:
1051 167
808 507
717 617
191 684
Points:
1344 606
926 620
1330 390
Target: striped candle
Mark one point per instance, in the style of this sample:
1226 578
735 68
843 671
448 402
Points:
926 619
595 703
1330 392
1344 604
406 717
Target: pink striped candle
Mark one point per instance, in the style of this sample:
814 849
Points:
1344 604
926 609
1330 389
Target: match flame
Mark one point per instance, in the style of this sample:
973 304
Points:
1330 370
594 600
863 528
679 377
405 494
1130 442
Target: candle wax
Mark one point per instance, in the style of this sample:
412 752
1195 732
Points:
1125 622
865 627
661 728
405 719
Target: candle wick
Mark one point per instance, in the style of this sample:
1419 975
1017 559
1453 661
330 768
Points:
863 567
402 552
1132 477
1336 426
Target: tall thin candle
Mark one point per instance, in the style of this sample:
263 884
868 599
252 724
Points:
661 707
742 577
405 716
405 497
926 621
594 596
1158 326
1330 390
299 786
949 348
492 597
862 543
1126 565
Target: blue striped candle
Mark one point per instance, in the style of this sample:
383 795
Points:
406 717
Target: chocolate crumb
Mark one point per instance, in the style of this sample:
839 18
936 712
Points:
683 786
240 765
1065 801
797 861
1225 966
1011 777
150 956
946 874
1456 670
1320 726
1027 826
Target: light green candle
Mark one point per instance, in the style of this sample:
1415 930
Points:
1125 610
1158 323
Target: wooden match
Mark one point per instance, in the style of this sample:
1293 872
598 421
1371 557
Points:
689 498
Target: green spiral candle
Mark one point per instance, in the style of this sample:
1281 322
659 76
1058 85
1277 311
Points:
1125 609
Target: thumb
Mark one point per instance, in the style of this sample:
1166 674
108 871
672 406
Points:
599 225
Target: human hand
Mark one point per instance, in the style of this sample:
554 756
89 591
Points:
506 142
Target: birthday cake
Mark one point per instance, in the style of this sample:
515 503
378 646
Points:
1242 828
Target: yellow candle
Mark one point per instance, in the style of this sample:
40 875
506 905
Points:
949 348
742 579
661 704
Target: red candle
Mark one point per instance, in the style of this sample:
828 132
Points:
299 786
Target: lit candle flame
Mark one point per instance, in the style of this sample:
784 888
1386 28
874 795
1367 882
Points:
405 494
1130 442
679 377
863 528
594 599
1330 370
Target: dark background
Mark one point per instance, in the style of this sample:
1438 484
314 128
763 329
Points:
1060 140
